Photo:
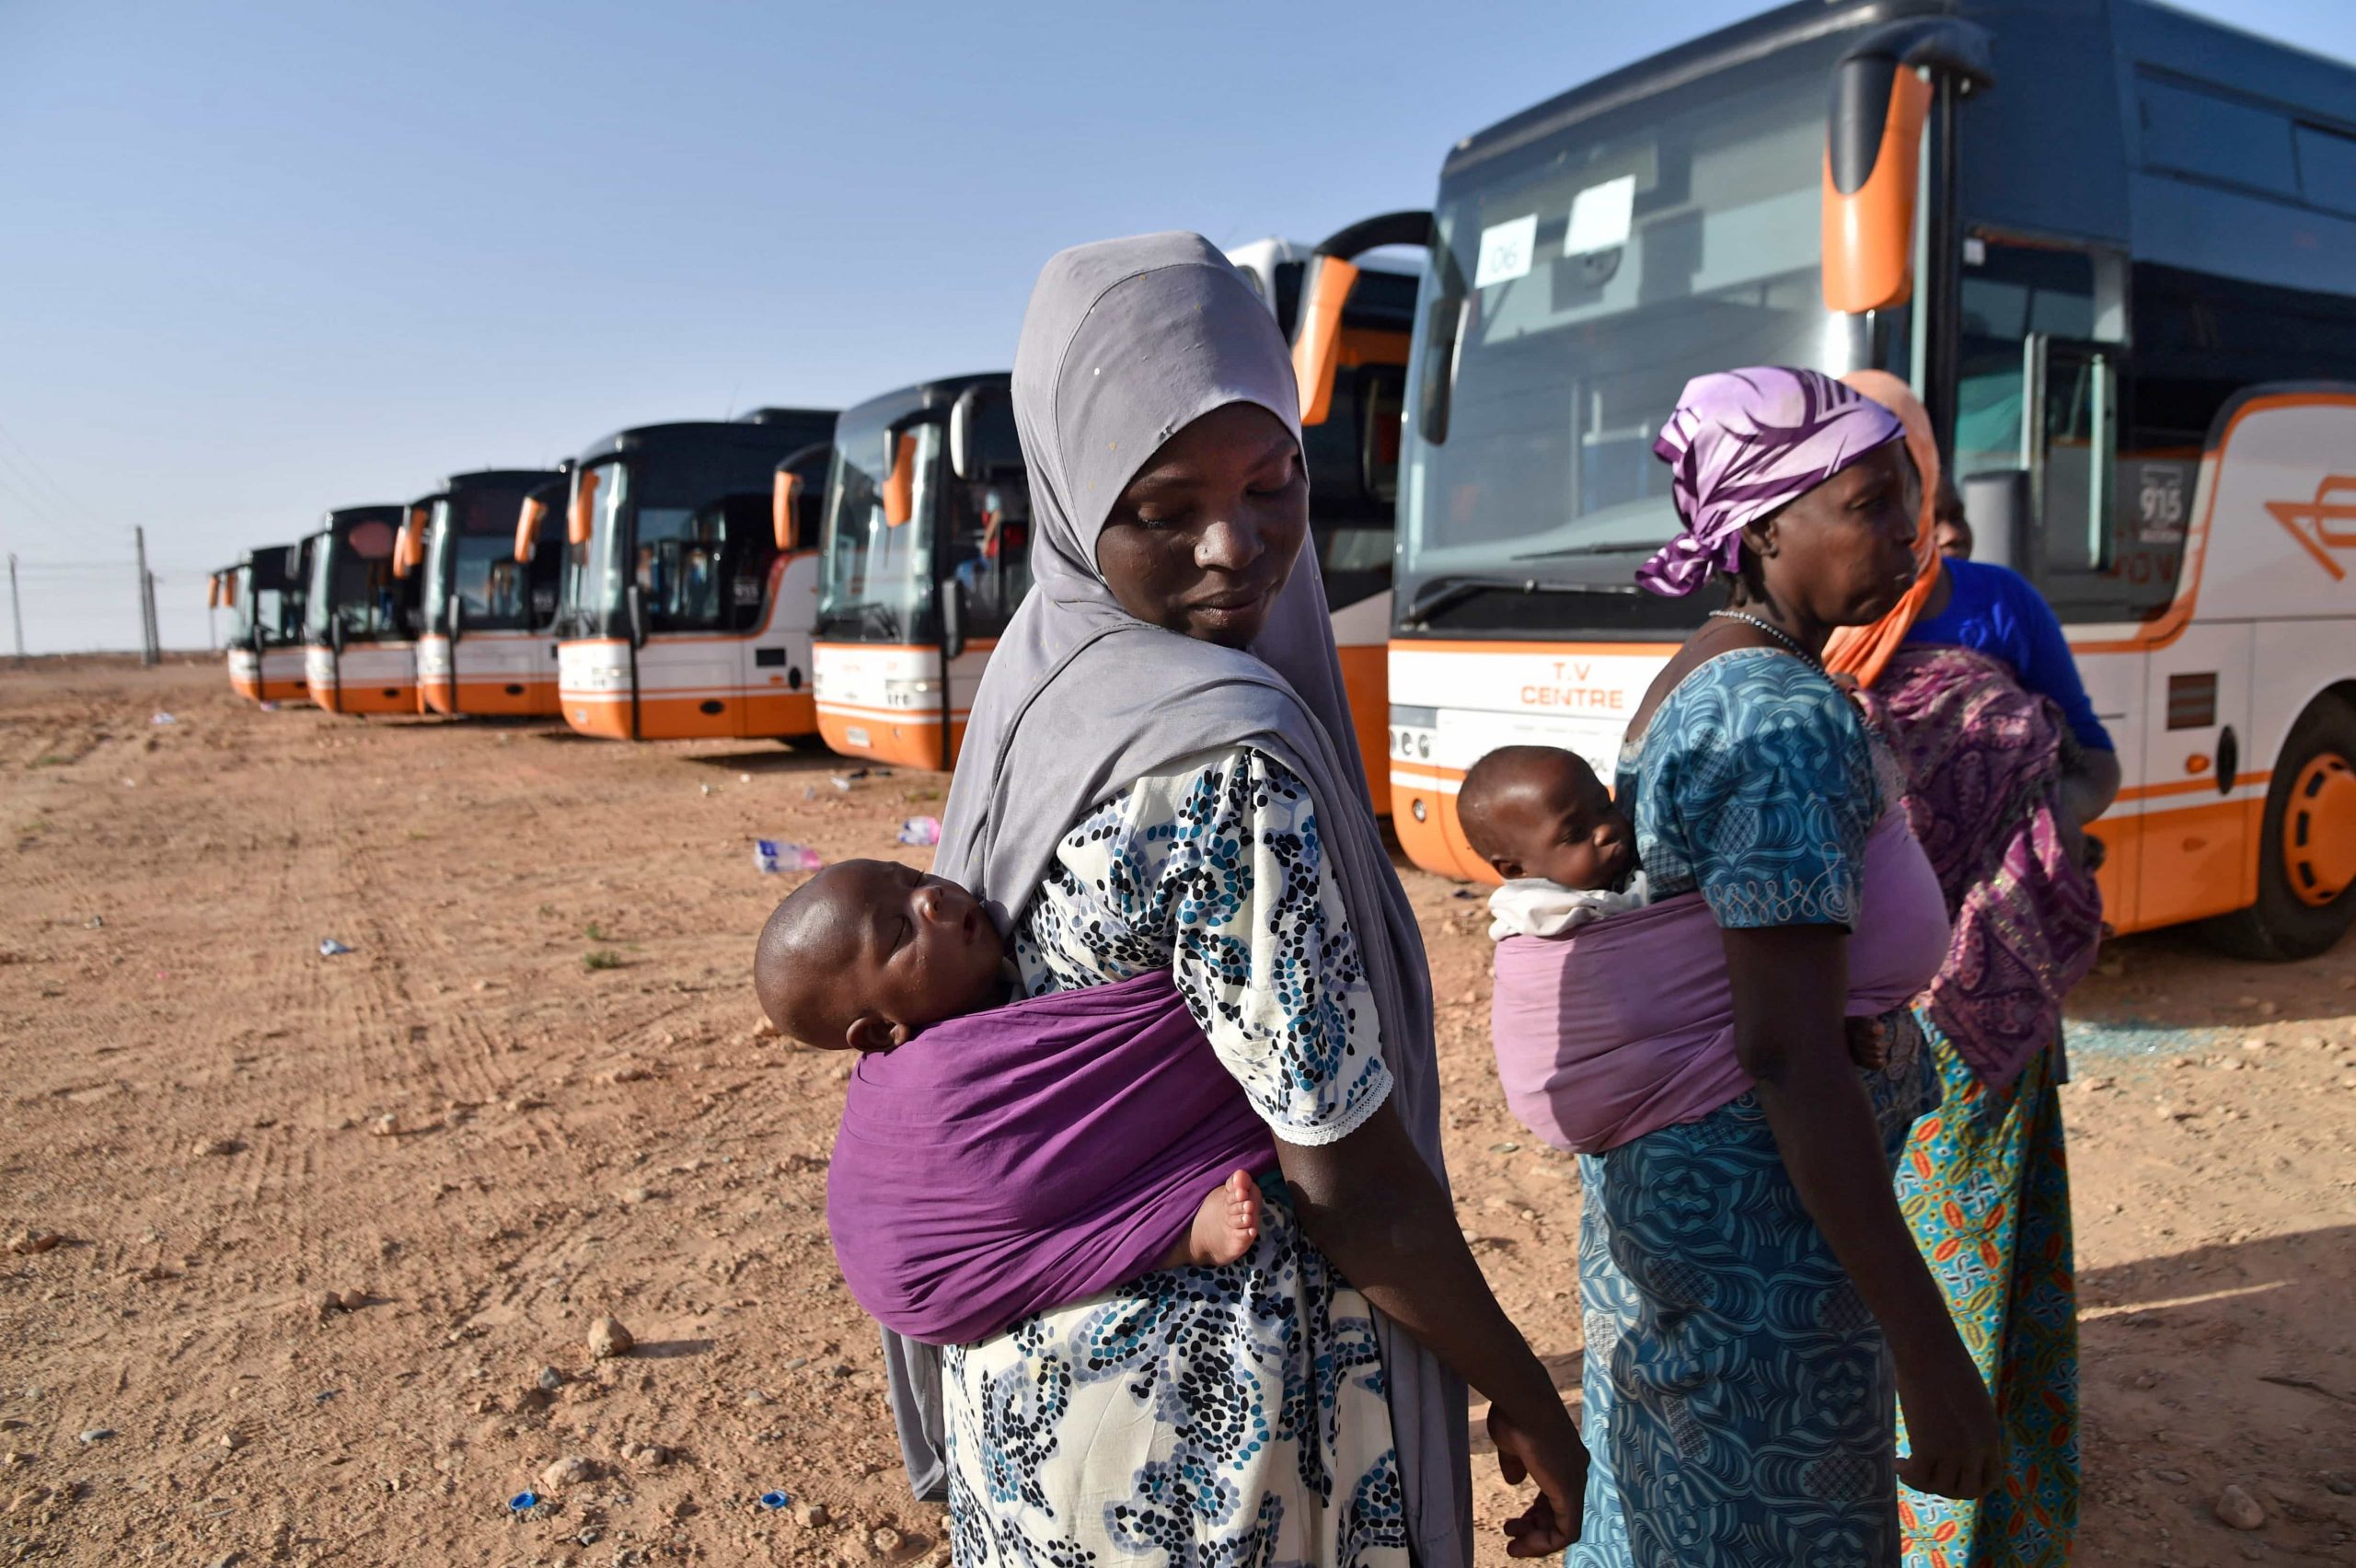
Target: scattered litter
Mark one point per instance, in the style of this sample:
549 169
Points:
523 1502
743 779
97 1433
163 719
840 782
776 854
773 1501
95 923
33 1240
330 948
272 707
704 787
920 830
324 1395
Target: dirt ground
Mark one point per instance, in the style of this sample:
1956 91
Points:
533 1093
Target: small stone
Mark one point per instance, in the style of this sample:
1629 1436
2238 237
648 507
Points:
30 1497
764 1029
2173 1476
2339 1485
32 1239
1504 1148
384 1126
230 1440
630 1073
96 1433
550 1379
754 1397
2268 1008
570 1470
885 1542
608 1339
2260 1043
217 1146
653 1455
351 1300
811 1515
2239 1509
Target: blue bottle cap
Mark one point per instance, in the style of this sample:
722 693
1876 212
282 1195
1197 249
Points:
774 1500
524 1500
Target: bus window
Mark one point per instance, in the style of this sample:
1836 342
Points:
2028 317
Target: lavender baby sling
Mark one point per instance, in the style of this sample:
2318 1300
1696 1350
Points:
1030 1156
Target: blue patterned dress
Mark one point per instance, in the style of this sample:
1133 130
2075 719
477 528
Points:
1739 1405
1199 1418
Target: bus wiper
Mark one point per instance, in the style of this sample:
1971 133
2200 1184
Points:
1446 592
1622 546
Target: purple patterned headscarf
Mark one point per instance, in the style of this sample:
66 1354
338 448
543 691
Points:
1743 442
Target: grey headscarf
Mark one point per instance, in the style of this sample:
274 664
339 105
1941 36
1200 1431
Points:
1125 343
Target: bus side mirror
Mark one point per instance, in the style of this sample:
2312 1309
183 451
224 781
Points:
1873 142
1996 504
1872 154
584 504
1317 346
782 502
961 432
634 606
900 484
527 529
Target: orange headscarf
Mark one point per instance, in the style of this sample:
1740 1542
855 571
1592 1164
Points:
1863 650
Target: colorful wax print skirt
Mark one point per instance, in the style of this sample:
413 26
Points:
1740 1406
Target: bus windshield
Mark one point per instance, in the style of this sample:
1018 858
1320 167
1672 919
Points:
1578 281
591 603
473 557
876 579
353 581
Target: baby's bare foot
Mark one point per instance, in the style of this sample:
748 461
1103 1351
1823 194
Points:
1226 1226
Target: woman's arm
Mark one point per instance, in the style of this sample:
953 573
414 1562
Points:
1373 1208
1789 985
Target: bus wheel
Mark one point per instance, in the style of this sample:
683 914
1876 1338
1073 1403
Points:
2308 847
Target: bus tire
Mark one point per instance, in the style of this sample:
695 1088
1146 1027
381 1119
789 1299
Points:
2318 762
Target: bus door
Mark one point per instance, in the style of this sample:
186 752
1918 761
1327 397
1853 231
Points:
2104 534
983 549
780 582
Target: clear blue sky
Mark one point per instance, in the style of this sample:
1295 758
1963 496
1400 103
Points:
263 257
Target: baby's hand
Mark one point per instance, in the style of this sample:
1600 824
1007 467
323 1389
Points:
1868 1042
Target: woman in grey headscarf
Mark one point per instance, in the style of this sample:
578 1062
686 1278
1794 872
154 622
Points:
1159 773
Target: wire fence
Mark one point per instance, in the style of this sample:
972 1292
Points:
93 606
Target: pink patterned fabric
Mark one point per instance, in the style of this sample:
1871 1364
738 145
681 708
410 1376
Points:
1743 442
1982 756
1623 1026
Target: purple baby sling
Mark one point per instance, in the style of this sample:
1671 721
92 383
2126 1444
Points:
1030 1156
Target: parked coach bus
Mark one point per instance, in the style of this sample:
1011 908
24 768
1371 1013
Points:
1349 320
924 552
483 643
678 616
2127 295
359 619
928 513
264 595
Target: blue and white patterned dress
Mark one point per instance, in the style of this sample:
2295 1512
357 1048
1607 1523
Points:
1200 1418
1739 1398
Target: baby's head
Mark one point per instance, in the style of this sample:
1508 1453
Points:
867 952
1538 812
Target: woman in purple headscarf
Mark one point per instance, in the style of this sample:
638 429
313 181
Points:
1747 1278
